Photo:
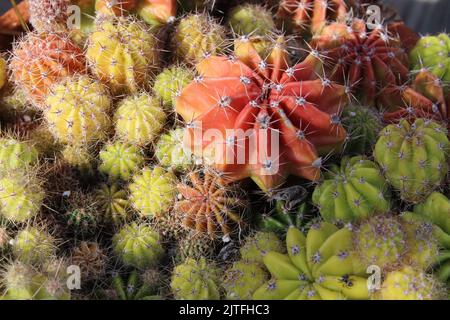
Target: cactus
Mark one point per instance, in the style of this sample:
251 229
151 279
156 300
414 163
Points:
251 19
318 265
77 112
44 142
81 213
354 191
170 82
122 53
112 202
152 191
196 37
157 13
4 238
258 245
120 161
413 157
171 152
49 15
15 103
433 53
33 245
132 288
138 245
195 280
79 157
139 119
91 259
242 279
21 197
363 126
16 155
41 60
209 205
114 7
3 73
195 246
410 284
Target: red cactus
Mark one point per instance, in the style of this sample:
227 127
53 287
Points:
368 61
261 118
311 15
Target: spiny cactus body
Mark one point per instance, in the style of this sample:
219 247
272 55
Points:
170 82
120 160
258 245
113 204
114 7
242 279
171 152
49 15
250 19
16 155
3 74
157 13
132 288
33 245
91 259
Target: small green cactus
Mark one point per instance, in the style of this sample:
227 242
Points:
242 279
79 157
171 152
170 82
120 160
33 245
132 288
258 245
16 155
251 19
113 204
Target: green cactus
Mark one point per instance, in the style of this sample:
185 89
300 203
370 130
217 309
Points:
242 279
363 125
195 280
195 246
354 191
258 245
170 82
113 204
80 157
152 191
433 53
320 265
132 288
413 157
139 119
138 245
33 245
16 155
251 19
4 238
120 160
171 153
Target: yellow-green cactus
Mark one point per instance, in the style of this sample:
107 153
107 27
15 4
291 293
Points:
113 204
33 245
258 245
242 279
77 111
152 191
79 157
139 119
123 53
15 154
120 160
251 19
170 82
171 152
195 280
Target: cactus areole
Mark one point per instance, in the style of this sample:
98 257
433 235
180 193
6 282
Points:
261 118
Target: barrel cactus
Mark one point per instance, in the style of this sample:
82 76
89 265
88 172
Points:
251 19
49 15
242 279
256 246
171 152
120 160
33 245
113 204
16 155
170 82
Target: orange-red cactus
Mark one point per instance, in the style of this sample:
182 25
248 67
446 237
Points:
262 119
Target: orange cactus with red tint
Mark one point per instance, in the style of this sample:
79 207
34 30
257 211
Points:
310 16
369 62
260 118
116 7
41 60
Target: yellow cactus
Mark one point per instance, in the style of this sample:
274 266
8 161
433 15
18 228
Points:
3 75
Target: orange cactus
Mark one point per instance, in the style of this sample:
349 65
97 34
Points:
41 60
260 118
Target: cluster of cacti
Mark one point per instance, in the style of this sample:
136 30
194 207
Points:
235 150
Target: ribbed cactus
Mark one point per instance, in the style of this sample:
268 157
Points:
195 246
113 204
152 191
139 119
33 245
120 160
258 245
49 15
138 245
413 157
157 13
79 157
122 53
251 19
3 73
318 265
197 36
16 155
91 259
195 280
114 7
171 152
41 60
352 192
77 111
170 82
242 279
132 287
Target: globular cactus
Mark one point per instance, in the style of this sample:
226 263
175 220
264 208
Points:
171 152
433 53
15 103
207 203
91 259
49 15
16 155
3 72
138 245
113 204
195 280
139 119
122 53
4 238
195 246
363 126
114 7
197 36
21 197
354 191
41 60
44 142
33 245
157 13
79 157
132 287
81 212
318 265
120 160
77 111
170 82
196 5
258 245
242 279
409 283
152 191
413 157
251 19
